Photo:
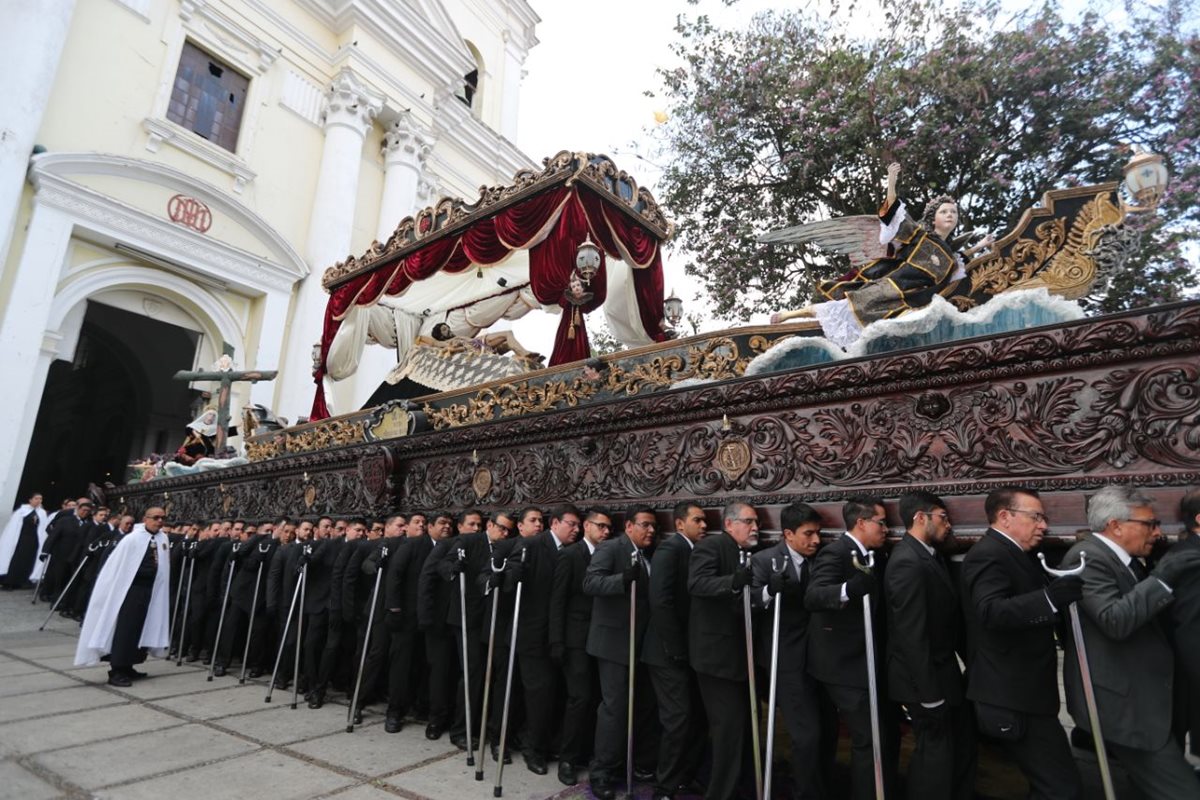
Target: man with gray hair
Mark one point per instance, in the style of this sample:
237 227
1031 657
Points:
1129 654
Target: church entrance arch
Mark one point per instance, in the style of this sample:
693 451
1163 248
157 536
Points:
110 397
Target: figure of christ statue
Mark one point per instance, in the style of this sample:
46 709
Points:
500 342
912 262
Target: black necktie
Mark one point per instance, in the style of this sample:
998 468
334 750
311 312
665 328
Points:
1138 568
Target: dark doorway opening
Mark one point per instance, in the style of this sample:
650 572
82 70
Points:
116 401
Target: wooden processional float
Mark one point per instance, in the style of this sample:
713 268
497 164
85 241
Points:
1002 381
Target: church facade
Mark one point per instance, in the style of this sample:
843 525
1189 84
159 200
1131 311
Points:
176 176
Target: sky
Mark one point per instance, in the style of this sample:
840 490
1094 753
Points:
573 101
584 90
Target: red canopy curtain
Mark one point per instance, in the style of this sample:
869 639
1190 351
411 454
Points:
551 225
551 264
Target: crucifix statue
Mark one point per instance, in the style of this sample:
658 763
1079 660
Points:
224 373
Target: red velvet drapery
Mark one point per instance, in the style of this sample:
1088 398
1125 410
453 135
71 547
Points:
551 226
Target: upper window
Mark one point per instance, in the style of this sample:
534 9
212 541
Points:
208 97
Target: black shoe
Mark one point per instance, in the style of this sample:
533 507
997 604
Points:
433 732
603 791
358 718
393 723
192 658
281 684
643 775
536 764
567 774
219 671
459 741
316 699
256 673
136 675
496 754
119 679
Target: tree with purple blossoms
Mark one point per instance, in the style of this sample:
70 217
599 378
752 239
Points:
794 119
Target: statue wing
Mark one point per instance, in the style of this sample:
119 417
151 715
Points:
856 237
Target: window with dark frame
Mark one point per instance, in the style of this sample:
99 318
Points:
207 97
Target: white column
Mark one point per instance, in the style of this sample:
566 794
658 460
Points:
350 108
406 147
27 349
31 44
510 94
270 345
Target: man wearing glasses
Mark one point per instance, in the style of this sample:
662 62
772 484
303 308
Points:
1012 674
129 608
837 645
1128 651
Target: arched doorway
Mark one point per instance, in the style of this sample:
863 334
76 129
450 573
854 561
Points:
115 401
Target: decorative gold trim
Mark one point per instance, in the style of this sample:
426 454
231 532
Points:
451 215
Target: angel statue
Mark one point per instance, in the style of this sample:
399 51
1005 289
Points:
897 264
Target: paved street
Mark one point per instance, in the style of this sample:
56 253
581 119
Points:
65 733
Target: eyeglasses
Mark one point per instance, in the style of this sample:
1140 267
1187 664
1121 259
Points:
1150 523
604 526
745 520
644 525
939 515
880 522
504 528
159 516
1037 516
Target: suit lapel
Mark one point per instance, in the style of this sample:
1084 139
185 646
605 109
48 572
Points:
1020 556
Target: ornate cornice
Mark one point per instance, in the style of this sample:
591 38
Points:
450 216
350 103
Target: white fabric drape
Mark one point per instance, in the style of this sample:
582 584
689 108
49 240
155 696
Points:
466 302
621 306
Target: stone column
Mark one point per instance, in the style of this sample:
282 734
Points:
270 345
27 348
406 148
513 74
351 107
31 44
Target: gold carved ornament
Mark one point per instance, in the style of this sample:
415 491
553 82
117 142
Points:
1023 259
717 359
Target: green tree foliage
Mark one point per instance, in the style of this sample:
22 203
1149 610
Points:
792 119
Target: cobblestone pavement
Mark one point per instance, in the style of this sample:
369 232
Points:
65 733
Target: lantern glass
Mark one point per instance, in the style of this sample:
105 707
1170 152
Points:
673 309
587 259
1146 178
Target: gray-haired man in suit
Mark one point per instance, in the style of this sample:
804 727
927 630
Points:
1130 657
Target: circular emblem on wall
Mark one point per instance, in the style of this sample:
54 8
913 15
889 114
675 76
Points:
189 212
733 458
310 495
481 482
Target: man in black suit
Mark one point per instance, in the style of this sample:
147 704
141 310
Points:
1185 627
680 708
1012 668
358 583
837 649
472 542
782 574
337 658
718 573
405 649
63 537
433 599
538 673
1129 654
925 619
569 621
614 567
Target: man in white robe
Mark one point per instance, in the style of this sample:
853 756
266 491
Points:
20 544
129 609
